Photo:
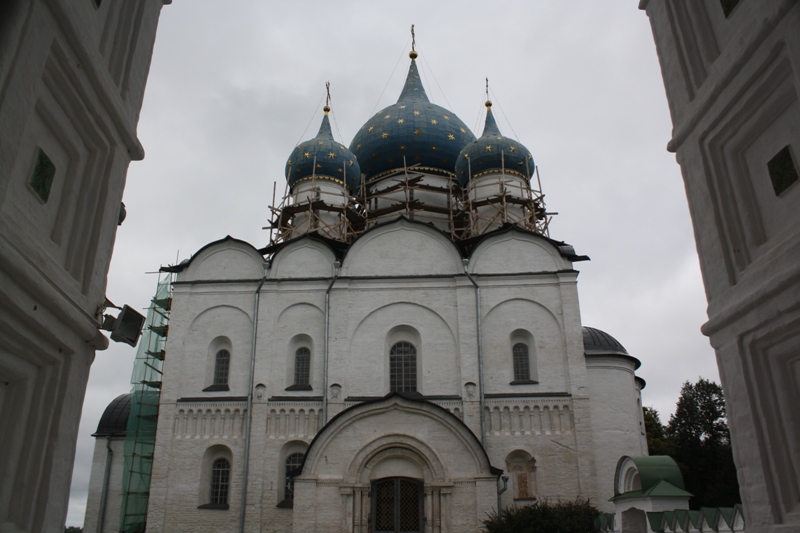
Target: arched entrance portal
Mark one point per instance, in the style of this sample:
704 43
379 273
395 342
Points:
396 505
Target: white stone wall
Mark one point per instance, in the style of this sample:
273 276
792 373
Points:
113 503
616 419
732 85
401 281
72 77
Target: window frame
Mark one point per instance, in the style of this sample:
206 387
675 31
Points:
222 371
403 362
291 462
521 361
215 482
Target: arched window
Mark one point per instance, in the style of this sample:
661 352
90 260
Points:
403 367
302 366
522 368
222 365
292 462
220 481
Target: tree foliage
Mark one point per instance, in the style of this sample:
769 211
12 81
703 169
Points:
544 517
697 437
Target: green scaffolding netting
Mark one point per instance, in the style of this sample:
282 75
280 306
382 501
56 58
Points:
140 438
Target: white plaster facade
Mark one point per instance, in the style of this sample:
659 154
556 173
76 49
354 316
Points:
72 78
400 281
732 81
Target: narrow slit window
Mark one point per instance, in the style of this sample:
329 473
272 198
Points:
293 462
728 6
221 367
403 368
782 170
220 481
522 367
302 366
43 174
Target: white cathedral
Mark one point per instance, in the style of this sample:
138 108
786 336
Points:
405 356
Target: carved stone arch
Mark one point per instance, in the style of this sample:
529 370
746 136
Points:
410 421
390 446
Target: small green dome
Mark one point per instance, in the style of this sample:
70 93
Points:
413 131
323 158
493 153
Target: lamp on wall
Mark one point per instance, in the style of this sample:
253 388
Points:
126 326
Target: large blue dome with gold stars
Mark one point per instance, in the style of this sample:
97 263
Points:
411 133
323 158
493 153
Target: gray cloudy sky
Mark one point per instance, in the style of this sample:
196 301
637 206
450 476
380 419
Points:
233 88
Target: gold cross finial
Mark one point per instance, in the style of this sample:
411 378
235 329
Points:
413 53
488 102
327 107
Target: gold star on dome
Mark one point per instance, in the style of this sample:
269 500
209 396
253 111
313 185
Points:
488 148
513 149
417 132
358 147
402 148
306 155
319 143
416 112
351 163
463 130
385 134
388 116
319 166
433 148
446 117
371 128
339 170
402 107
331 155
417 77
401 121
451 137
433 121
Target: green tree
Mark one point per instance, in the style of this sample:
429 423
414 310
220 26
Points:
657 441
697 437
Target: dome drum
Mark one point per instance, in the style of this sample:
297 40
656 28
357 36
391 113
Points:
306 194
423 197
487 212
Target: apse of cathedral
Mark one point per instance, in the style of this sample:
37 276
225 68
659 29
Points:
406 354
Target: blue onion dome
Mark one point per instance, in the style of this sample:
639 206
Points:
323 158
414 132
493 153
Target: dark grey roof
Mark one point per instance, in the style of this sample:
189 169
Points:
597 342
114 421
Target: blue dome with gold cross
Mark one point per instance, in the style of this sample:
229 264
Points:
323 158
414 133
493 154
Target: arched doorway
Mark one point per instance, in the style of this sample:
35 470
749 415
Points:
396 505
